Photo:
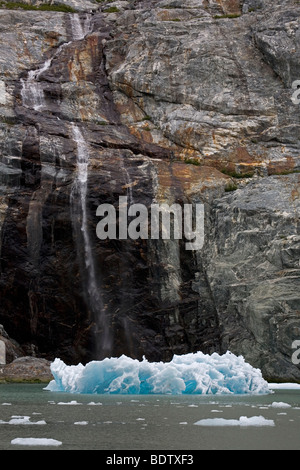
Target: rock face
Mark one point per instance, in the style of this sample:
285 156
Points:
160 102
26 369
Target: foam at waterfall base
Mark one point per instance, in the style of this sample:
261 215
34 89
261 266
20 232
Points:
194 373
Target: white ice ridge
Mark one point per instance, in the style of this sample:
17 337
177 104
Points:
194 373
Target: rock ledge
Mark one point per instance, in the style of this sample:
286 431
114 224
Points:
26 369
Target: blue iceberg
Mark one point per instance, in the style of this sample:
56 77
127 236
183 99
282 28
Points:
194 373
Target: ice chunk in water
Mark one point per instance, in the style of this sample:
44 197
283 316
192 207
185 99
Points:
242 421
194 373
35 441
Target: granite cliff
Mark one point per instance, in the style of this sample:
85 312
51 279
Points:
160 101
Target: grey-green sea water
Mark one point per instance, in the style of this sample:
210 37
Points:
121 422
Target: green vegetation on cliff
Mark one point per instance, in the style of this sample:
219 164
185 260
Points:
25 6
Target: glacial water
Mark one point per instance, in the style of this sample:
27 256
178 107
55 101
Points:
135 422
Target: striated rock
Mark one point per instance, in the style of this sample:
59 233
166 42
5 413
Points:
207 88
253 271
162 102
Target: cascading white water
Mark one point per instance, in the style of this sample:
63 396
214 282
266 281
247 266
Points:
80 221
129 183
79 193
32 92
32 89
33 97
80 29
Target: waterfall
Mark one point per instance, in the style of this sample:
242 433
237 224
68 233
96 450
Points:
79 30
32 94
78 195
128 181
80 222
32 90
